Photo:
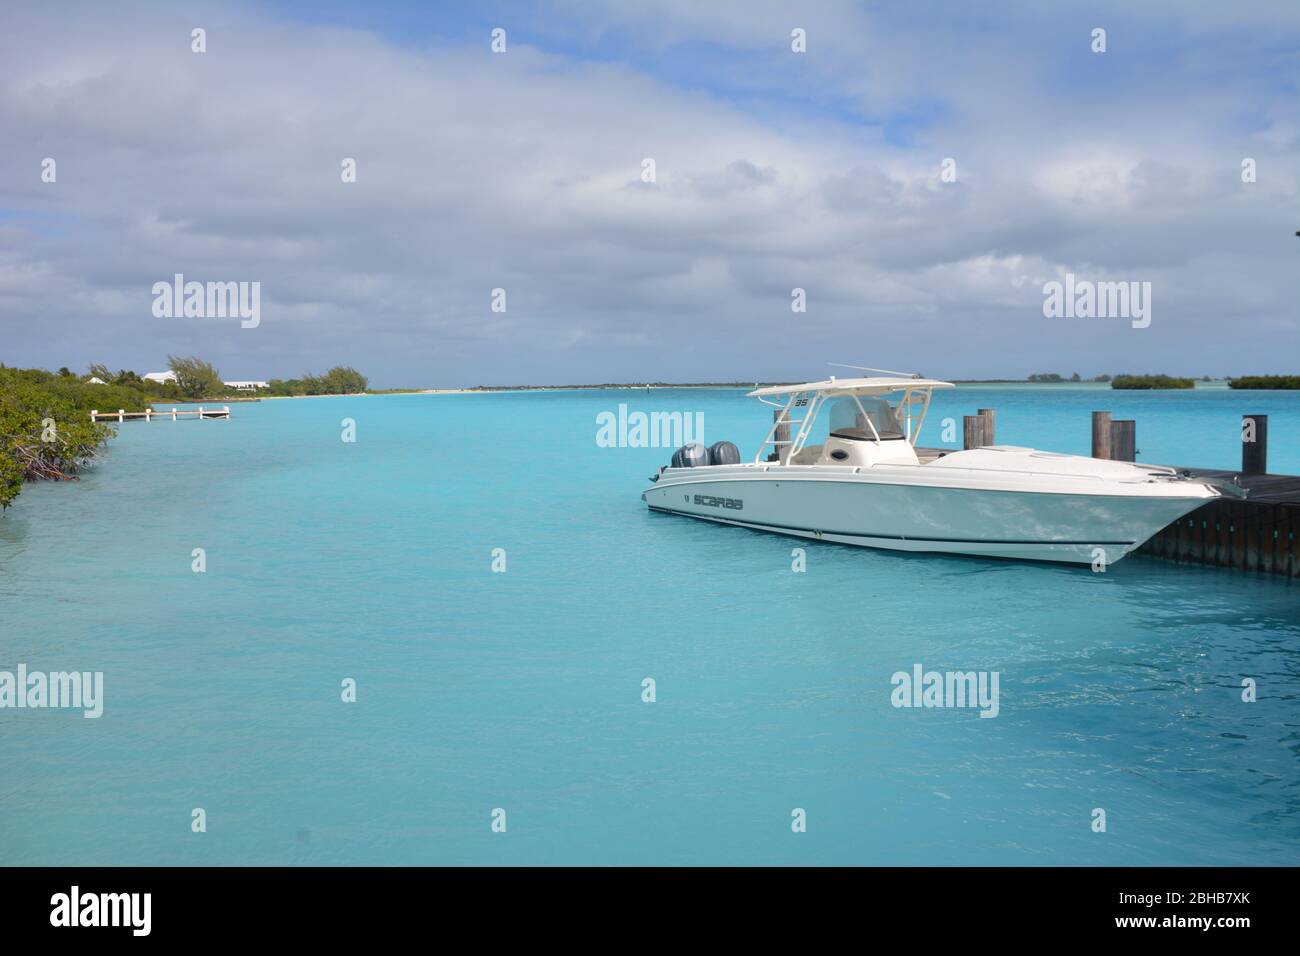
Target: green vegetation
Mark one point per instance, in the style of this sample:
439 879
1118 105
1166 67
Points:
1053 377
195 378
340 380
199 381
45 426
136 391
1150 381
1265 381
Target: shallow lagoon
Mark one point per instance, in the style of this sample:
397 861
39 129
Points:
522 690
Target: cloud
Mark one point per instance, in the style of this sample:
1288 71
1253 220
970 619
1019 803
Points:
522 171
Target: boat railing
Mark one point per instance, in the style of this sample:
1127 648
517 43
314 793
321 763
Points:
946 469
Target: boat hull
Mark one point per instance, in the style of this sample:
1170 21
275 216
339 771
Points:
1002 523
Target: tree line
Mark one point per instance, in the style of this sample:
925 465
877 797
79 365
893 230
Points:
1126 381
199 380
45 427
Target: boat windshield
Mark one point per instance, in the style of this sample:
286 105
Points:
847 421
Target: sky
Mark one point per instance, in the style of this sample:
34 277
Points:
921 171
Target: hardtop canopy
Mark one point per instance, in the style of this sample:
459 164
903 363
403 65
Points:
852 386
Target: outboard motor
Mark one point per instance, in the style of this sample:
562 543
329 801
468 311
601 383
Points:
690 456
724 453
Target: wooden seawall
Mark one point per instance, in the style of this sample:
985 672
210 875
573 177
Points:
1258 533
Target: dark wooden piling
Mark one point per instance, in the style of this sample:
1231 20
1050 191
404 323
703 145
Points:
972 431
1184 529
1254 444
1240 519
1195 550
989 417
1266 526
1101 435
1123 440
1284 536
1286 549
1222 531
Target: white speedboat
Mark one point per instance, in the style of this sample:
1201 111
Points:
867 483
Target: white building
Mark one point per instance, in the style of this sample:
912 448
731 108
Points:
162 378
93 380
247 386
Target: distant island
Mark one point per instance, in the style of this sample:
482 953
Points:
1125 381
1038 378
1150 381
1265 382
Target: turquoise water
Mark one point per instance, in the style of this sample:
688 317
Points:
522 690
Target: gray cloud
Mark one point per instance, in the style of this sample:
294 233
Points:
522 171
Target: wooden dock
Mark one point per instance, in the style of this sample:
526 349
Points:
1258 532
149 415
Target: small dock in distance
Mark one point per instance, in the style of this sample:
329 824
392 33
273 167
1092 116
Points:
149 414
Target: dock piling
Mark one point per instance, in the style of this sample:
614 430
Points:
989 417
1101 435
1254 444
972 431
1123 440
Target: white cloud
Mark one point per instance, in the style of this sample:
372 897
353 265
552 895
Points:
522 171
